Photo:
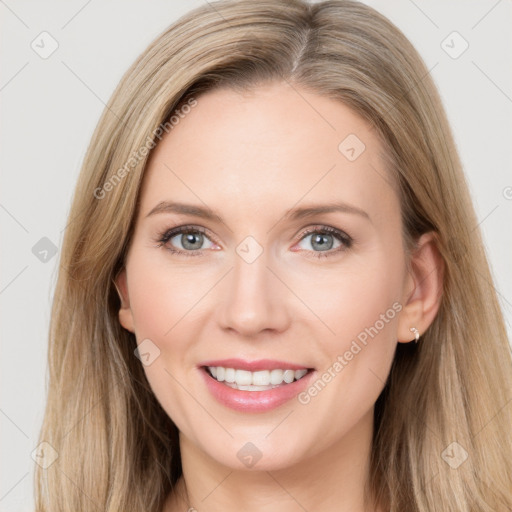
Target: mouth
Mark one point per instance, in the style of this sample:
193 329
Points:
254 386
261 380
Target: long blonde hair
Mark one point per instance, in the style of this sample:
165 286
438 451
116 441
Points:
117 448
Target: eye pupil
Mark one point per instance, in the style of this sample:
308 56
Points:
324 241
192 241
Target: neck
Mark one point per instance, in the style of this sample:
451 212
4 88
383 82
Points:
333 479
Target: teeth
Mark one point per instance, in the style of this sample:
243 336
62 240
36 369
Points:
229 375
289 376
276 376
255 381
243 377
261 378
300 373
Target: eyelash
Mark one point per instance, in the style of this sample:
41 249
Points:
342 237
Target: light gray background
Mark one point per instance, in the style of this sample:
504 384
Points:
51 106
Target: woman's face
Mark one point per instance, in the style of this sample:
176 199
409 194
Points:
290 262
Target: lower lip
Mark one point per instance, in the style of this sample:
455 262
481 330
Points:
255 401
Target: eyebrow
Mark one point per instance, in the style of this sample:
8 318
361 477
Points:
291 214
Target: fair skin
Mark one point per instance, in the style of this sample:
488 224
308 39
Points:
250 158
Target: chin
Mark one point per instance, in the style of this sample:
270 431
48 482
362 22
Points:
256 453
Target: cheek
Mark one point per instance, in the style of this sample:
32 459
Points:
360 306
162 297
166 304
354 298
162 306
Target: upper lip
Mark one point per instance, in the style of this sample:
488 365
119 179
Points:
256 365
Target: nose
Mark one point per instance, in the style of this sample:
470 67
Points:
253 299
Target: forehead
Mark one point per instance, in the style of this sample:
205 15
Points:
275 144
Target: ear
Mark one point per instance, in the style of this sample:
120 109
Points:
422 289
125 312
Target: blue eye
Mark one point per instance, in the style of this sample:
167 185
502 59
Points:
323 239
185 240
191 240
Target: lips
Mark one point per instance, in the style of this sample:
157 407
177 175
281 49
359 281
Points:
254 386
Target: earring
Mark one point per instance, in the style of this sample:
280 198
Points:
416 334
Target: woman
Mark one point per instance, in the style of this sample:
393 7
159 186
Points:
272 292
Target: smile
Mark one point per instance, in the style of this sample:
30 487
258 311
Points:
254 386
